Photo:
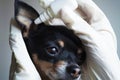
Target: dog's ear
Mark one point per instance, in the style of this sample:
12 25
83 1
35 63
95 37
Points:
24 13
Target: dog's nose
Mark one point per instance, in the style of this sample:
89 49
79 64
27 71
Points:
74 71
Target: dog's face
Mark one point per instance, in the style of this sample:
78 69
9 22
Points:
55 54
56 51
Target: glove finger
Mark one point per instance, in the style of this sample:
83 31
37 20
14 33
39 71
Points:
97 20
45 3
75 22
90 37
94 15
80 26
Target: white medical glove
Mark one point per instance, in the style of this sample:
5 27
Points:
96 33
22 67
45 3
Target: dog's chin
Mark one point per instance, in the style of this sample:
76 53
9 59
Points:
63 76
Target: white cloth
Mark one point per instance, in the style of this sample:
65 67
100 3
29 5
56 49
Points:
22 67
97 35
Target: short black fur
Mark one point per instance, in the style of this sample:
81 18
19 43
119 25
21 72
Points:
45 33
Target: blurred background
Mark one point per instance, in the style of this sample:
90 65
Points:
109 7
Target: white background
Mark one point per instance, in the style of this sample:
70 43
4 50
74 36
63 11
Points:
110 7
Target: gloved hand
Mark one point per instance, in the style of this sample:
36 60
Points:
97 35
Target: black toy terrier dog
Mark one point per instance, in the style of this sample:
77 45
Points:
56 51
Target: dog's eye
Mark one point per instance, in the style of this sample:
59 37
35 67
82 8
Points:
52 51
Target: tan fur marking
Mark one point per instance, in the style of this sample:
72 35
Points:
43 65
79 51
61 43
49 70
60 63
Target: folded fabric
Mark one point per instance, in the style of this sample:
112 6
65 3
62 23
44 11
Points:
22 67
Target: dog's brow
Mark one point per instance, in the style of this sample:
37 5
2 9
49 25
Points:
79 51
61 43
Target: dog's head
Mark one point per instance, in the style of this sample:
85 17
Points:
55 50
